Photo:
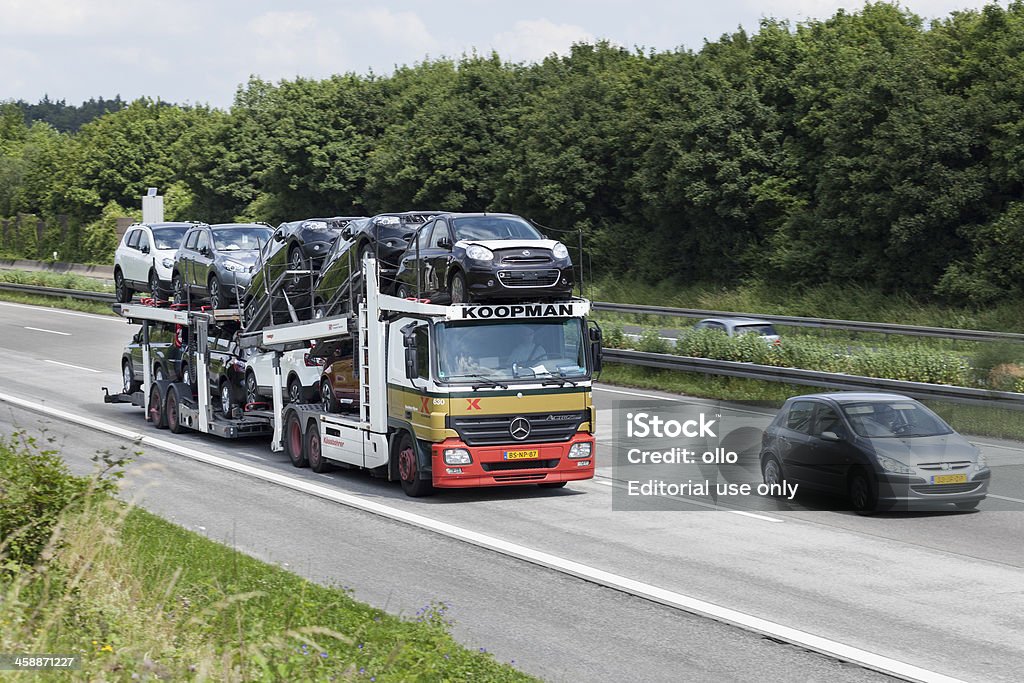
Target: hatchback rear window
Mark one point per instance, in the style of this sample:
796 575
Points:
764 330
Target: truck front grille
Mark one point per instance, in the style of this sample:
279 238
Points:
495 429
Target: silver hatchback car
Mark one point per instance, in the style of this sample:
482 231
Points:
883 451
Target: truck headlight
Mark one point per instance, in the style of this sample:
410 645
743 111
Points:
890 465
559 251
580 450
478 253
457 456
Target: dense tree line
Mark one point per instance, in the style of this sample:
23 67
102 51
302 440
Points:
67 118
867 148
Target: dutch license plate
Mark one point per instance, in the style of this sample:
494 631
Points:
522 455
949 479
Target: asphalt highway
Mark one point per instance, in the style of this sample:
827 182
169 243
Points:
940 591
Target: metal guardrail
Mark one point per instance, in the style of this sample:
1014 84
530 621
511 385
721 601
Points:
56 291
770 373
827 380
820 323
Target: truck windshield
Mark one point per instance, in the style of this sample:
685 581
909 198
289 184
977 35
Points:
508 351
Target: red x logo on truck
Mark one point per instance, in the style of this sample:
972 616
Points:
425 405
473 404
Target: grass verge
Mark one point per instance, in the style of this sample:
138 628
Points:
137 597
967 419
57 302
61 280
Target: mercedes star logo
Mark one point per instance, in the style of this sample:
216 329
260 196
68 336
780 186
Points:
520 428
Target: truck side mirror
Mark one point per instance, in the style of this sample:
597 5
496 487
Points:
412 363
596 345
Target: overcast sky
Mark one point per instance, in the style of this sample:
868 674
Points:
199 51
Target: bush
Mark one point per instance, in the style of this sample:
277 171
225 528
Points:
36 489
651 342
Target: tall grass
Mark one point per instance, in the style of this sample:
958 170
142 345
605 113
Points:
136 597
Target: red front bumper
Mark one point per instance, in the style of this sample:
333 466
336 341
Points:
491 468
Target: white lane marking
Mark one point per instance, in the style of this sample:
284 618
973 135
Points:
95 316
1012 500
251 455
69 365
640 589
756 516
39 329
603 483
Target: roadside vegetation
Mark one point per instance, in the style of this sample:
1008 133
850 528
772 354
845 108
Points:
59 280
136 597
57 302
969 420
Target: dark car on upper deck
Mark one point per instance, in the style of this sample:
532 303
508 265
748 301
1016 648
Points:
215 262
295 246
482 256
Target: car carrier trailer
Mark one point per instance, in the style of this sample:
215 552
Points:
444 401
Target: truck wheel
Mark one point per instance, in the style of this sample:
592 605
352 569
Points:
122 292
293 440
172 409
156 408
408 470
314 452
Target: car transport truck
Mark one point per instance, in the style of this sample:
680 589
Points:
460 395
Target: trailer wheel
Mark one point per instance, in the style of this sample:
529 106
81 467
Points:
408 470
156 408
171 408
314 452
293 440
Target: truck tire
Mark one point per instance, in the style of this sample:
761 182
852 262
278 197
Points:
314 451
293 441
408 469
156 408
172 408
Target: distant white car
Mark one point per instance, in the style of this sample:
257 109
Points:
737 326
300 376
144 258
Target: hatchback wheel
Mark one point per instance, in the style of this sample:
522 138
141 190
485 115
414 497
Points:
457 289
251 389
216 295
863 493
122 293
154 285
